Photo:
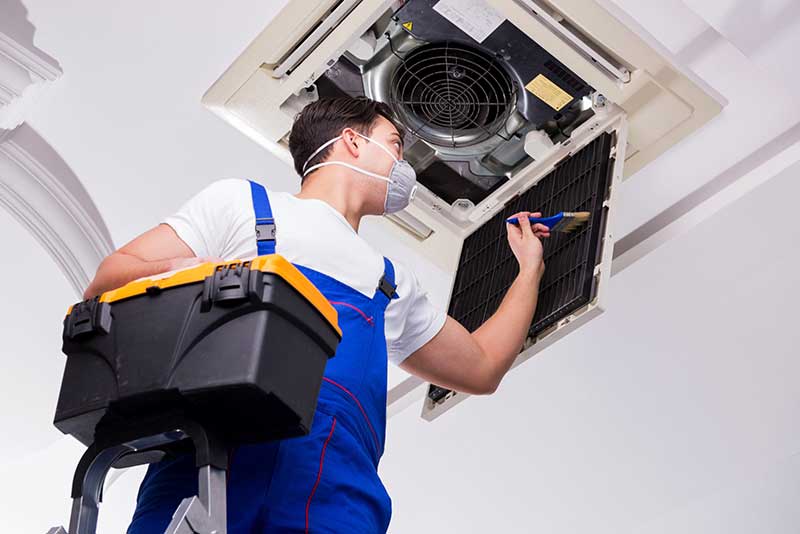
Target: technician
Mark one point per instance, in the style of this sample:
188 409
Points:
349 154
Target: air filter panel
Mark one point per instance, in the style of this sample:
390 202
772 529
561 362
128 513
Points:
487 266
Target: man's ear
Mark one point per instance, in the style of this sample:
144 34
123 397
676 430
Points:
351 141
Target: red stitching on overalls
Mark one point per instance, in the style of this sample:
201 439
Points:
364 315
230 464
319 473
374 435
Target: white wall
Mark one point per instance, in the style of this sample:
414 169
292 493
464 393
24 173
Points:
37 460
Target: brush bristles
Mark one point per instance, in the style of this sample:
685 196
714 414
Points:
571 221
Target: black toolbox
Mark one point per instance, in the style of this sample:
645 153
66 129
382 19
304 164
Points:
240 347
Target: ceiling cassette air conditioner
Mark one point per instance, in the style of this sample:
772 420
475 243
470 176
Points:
509 105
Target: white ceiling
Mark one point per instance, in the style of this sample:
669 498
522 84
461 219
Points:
683 392
675 411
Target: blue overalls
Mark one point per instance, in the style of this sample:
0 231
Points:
326 481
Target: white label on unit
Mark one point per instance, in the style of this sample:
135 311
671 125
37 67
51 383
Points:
474 17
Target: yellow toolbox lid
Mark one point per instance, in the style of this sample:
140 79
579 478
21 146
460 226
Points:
271 263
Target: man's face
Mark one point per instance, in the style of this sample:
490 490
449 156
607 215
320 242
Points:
374 158
369 156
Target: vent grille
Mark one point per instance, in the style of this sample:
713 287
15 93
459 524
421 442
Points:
564 76
452 94
487 266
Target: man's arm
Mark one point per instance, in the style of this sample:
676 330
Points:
476 362
156 251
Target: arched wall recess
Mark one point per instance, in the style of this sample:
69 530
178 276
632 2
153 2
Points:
36 186
45 196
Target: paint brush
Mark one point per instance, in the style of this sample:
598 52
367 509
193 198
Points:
565 221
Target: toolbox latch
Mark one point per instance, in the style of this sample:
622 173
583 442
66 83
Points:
87 317
229 283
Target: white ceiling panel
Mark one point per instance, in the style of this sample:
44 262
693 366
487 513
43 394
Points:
670 22
767 32
744 126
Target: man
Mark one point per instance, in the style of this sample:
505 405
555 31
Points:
349 154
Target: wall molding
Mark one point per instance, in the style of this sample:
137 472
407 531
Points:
40 190
23 73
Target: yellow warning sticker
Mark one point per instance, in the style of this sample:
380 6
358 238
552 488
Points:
408 25
550 93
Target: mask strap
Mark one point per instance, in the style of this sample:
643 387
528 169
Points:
380 145
325 144
346 165
317 151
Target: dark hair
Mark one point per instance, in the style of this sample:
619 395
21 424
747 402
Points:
325 118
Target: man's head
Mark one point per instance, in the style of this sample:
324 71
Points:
328 118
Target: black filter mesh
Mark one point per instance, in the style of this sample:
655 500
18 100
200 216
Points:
488 267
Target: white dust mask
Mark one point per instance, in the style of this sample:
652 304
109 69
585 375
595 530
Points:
402 178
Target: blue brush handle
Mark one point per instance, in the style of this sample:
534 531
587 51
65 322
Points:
550 222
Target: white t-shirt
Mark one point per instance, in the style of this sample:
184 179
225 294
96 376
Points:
220 221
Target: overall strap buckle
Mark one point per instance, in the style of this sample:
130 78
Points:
265 229
265 223
387 288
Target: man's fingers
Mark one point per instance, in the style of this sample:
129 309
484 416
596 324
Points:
524 223
526 228
541 227
518 226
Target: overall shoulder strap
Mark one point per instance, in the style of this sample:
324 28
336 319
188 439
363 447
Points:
265 223
387 286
